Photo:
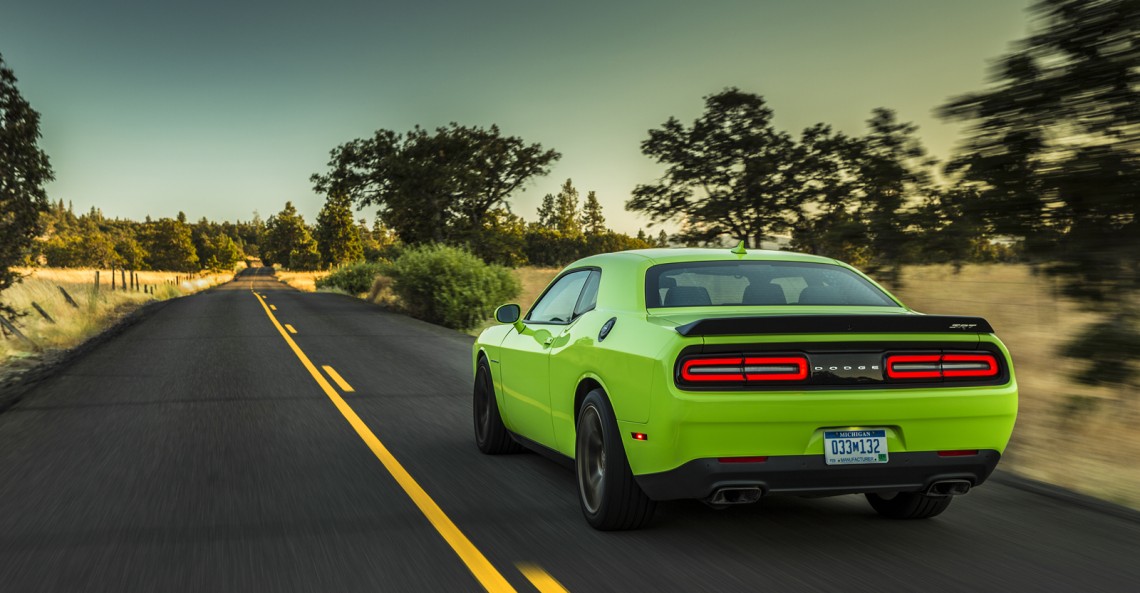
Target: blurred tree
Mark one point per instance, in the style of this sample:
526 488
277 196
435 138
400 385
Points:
169 245
432 186
1054 144
288 241
892 174
593 223
501 240
337 239
730 173
641 236
662 239
1054 148
24 169
130 252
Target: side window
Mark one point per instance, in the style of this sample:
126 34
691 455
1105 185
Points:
590 295
557 305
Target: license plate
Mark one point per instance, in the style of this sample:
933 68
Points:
850 447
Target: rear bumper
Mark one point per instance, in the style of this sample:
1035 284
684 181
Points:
809 474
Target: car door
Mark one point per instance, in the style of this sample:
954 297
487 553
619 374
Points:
525 358
570 356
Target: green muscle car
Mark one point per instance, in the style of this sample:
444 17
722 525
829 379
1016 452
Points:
728 375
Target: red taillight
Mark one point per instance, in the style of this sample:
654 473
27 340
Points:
713 369
639 436
741 369
969 365
961 453
776 368
914 366
978 365
743 459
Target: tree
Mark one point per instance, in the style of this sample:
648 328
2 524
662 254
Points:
1054 152
288 241
547 213
730 173
1054 144
662 239
170 246
433 186
24 169
566 210
337 237
892 174
592 220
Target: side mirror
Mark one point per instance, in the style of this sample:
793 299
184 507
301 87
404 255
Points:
508 313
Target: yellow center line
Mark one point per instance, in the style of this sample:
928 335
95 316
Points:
476 562
290 328
541 579
274 307
340 382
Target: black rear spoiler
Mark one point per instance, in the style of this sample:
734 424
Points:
835 324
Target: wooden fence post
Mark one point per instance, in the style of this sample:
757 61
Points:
112 278
68 298
123 278
96 280
42 312
8 326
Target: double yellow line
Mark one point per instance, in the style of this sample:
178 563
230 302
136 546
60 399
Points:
486 573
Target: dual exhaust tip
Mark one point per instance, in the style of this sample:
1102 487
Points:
751 494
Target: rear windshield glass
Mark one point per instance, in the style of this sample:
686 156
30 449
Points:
747 283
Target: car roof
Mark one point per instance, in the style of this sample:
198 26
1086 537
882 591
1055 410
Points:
691 254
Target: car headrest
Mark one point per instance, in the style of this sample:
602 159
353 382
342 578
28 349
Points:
764 294
687 296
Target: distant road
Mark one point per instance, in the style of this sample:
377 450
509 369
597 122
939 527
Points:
197 451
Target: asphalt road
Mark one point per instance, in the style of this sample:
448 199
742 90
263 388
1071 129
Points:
196 452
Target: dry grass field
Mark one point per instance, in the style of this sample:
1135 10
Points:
304 281
1067 434
97 309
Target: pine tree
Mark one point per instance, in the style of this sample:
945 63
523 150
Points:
288 241
662 239
337 238
592 220
566 210
546 213
641 236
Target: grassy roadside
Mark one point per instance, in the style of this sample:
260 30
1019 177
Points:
96 310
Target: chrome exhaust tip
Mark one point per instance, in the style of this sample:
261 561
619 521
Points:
949 488
735 495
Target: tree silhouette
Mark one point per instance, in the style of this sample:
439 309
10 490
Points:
593 222
24 169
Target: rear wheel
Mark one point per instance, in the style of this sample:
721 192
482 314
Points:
491 435
610 498
908 505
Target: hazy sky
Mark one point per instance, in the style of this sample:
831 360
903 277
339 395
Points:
222 108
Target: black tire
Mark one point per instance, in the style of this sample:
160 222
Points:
610 498
908 505
491 435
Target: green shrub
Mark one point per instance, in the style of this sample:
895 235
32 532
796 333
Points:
450 286
353 278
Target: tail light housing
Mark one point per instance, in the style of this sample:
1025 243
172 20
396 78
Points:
942 366
738 370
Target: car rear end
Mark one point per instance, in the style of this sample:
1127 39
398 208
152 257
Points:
822 400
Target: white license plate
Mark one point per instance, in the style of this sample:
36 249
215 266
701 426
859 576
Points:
850 447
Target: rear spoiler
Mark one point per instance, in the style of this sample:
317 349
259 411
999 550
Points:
835 324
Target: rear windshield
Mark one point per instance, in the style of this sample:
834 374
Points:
747 283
